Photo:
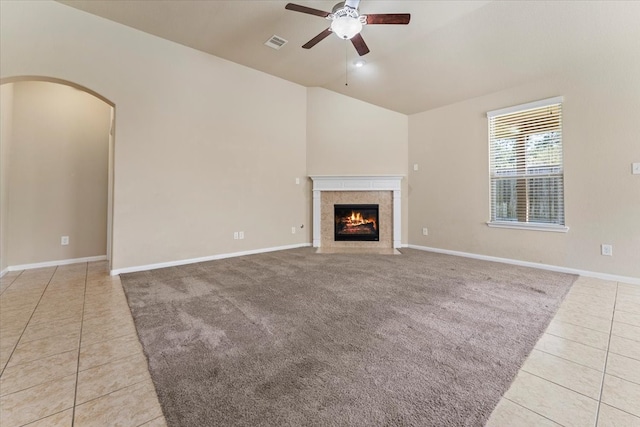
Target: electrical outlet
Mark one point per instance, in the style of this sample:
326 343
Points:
64 240
415 167
241 235
293 230
298 181
235 235
607 250
425 231
635 168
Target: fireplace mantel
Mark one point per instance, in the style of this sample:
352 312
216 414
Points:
358 183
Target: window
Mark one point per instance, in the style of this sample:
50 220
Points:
527 177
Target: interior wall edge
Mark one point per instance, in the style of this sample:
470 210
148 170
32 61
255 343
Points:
176 263
549 267
16 79
56 263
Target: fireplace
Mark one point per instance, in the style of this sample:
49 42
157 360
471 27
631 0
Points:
381 190
356 223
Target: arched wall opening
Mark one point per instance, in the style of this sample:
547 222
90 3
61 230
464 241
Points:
57 148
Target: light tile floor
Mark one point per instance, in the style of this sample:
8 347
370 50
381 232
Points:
69 352
69 355
585 369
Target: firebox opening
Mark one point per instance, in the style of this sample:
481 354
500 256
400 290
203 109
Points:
356 223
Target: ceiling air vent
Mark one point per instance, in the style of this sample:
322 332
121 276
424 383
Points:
276 42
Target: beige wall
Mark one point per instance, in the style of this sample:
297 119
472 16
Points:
6 121
58 174
346 136
450 192
203 147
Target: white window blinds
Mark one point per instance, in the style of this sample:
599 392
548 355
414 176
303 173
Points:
526 167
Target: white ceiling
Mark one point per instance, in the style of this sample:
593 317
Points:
451 50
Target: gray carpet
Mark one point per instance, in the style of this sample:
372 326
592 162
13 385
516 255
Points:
294 338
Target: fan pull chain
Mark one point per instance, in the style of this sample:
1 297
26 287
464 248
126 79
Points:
346 64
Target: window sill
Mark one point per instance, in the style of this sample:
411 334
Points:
529 226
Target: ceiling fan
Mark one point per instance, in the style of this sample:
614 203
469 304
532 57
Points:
346 22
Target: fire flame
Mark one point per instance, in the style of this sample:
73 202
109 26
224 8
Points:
356 219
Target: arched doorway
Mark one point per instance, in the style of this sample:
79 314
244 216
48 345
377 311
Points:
57 173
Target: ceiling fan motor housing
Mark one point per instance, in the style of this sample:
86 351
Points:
340 6
346 21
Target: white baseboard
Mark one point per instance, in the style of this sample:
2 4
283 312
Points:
56 263
204 259
604 276
3 272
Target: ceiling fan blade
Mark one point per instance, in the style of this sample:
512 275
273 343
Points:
359 44
305 9
388 18
352 3
317 39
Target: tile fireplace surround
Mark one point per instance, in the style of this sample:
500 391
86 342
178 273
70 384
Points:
384 190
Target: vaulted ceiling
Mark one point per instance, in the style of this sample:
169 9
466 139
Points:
451 50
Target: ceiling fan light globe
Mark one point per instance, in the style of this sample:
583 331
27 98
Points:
346 27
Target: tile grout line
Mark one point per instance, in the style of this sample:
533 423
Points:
30 317
46 416
115 391
583 290
75 390
586 327
114 338
626 323
590 300
153 419
569 360
587 295
606 360
558 384
579 311
623 355
12 282
50 336
531 410
621 410
572 340
623 379
625 311
39 384
628 292
573 324
118 359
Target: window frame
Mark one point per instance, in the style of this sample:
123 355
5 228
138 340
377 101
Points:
518 224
